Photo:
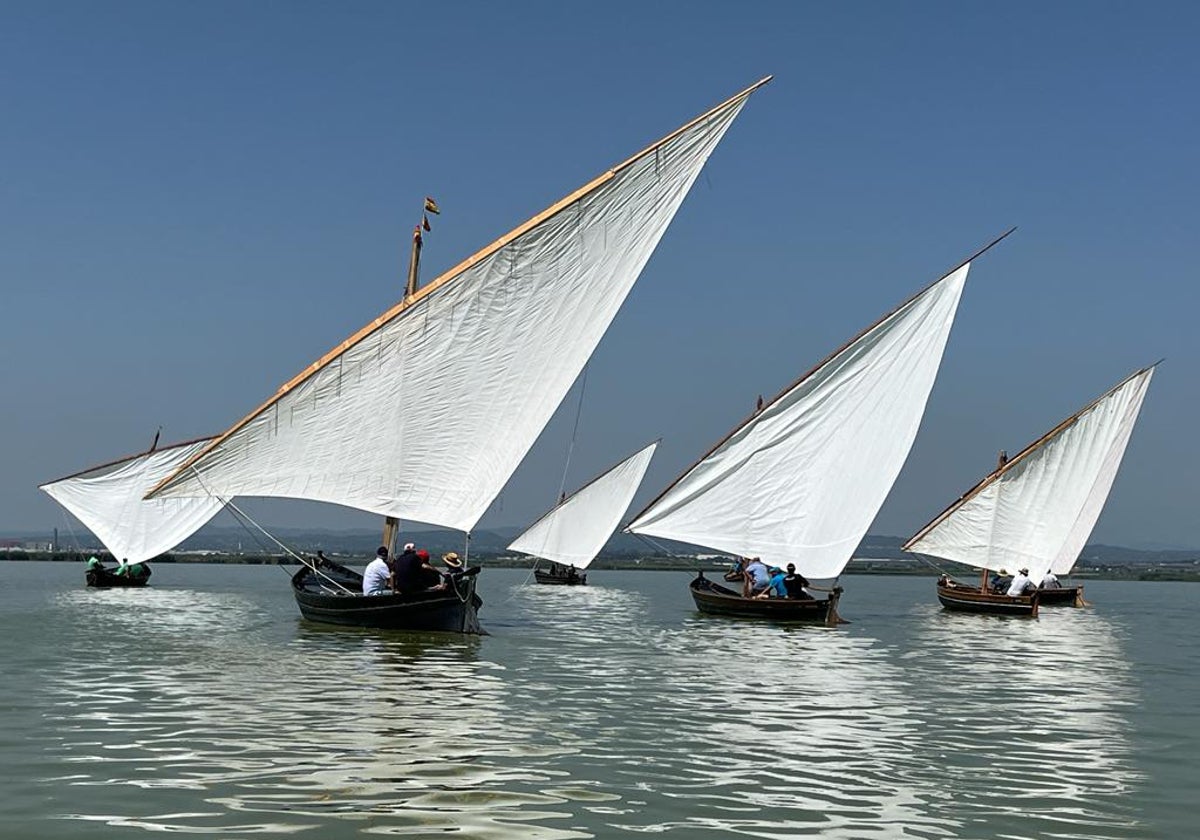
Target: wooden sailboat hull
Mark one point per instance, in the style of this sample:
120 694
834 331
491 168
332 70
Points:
105 578
959 597
551 579
333 595
1065 596
714 599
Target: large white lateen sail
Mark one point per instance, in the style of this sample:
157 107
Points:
802 479
579 526
1037 509
425 413
108 500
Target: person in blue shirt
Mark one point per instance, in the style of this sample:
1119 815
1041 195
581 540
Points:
777 588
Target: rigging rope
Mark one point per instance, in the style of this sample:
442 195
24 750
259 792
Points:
562 486
238 513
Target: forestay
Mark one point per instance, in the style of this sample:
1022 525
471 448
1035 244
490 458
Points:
801 481
579 526
108 500
1038 510
425 414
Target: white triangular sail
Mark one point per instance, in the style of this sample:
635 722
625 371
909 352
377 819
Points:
108 500
425 413
579 526
1038 509
802 480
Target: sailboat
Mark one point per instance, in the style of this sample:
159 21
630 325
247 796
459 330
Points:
425 412
801 479
108 500
572 533
1036 510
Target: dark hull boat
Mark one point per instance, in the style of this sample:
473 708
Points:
961 597
558 577
332 594
1063 596
714 599
105 578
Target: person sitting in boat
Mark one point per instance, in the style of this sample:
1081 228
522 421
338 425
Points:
452 562
406 571
122 569
999 582
136 570
95 564
775 587
430 577
377 577
796 583
757 578
1050 581
1020 583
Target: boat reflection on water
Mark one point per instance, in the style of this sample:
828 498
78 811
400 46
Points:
394 732
605 710
803 730
1032 719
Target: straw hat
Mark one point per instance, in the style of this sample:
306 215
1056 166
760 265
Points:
452 560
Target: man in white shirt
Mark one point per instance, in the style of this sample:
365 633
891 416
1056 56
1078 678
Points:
1020 582
1050 581
377 575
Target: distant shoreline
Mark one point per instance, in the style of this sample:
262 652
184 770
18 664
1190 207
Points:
859 566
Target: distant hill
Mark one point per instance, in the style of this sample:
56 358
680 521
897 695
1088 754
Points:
494 542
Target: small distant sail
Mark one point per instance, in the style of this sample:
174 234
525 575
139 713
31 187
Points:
802 480
1038 509
425 413
579 526
108 500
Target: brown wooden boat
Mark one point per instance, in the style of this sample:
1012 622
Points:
714 599
963 597
1062 596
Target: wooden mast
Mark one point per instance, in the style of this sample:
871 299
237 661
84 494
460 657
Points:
391 524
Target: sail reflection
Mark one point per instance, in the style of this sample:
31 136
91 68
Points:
598 711
406 734
1032 717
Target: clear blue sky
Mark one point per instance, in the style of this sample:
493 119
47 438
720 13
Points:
198 199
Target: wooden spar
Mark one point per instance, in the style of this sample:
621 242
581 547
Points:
122 460
1007 465
391 524
1001 459
455 272
761 407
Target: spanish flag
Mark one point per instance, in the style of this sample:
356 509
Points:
417 234
431 206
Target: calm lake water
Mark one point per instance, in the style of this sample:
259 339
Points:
204 705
